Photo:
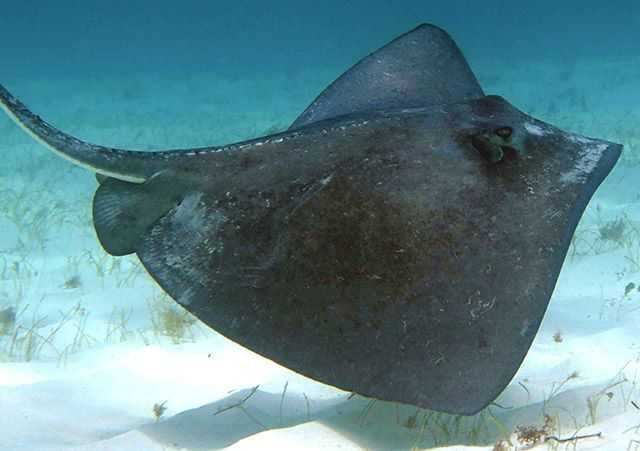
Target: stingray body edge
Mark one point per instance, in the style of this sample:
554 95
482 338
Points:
401 240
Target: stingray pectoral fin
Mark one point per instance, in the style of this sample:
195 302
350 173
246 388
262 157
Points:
126 165
420 68
183 251
123 211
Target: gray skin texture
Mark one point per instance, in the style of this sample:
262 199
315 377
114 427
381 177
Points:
402 245
403 265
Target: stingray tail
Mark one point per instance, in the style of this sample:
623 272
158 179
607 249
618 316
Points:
125 165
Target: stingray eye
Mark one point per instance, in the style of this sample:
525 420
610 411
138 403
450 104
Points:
491 151
504 132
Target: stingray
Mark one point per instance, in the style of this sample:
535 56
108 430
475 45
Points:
401 240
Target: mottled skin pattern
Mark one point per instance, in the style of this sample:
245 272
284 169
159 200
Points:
403 253
402 265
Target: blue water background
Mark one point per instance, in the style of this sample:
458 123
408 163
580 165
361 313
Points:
253 39
247 38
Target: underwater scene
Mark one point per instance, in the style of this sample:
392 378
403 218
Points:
222 228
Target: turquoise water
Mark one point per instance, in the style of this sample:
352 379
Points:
249 39
88 333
